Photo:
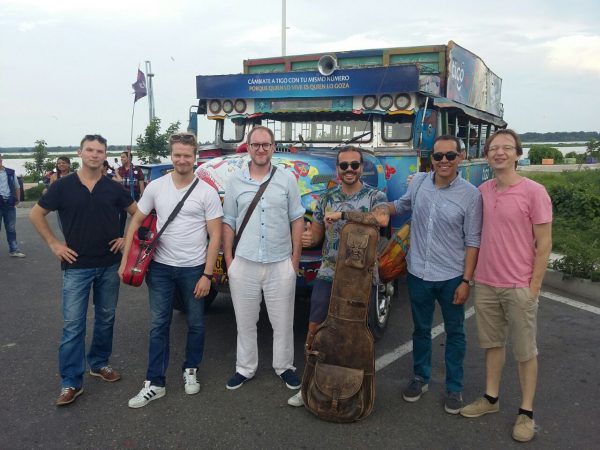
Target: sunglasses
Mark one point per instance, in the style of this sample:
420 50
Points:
450 156
344 165
186 138
94 137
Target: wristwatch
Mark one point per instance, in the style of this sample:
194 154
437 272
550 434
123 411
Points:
209 276
469 282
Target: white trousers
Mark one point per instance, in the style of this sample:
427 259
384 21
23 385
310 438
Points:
248 282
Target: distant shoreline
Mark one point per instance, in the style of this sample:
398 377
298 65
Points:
71 152
8 156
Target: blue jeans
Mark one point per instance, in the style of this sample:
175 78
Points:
423 295
77 284
162 282
8 214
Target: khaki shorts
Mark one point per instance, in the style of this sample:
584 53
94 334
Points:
507 311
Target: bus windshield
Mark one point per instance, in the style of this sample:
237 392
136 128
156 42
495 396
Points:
311 128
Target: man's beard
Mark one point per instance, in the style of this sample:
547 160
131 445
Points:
355 180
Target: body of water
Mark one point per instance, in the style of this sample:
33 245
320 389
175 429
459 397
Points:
18 163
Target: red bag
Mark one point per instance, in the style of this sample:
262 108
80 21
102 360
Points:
140 253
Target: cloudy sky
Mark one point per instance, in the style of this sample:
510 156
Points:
66 66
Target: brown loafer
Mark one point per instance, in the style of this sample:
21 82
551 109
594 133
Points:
68 395
107 373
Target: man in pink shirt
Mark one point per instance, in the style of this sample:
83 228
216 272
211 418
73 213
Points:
516 240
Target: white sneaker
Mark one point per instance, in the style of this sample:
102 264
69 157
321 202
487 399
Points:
296 400
17 254
147 394
191 383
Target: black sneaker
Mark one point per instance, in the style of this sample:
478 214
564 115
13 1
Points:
236 381
453 402
290 379
415 389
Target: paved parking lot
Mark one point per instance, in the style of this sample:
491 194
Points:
257 416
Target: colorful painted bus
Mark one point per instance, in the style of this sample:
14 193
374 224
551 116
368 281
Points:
391 102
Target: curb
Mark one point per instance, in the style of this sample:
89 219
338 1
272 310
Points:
27 204
577 286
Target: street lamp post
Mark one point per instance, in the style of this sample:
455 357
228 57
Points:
150 75
283 27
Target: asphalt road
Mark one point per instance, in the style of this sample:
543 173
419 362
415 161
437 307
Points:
256 415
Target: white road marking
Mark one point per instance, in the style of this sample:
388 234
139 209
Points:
385 360
568 301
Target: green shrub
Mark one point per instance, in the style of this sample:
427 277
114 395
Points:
575 202
539 152
34 193
580 265
579 157
576 226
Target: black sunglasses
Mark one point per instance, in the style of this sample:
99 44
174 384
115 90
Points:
94 137
450 156
344 165
185 138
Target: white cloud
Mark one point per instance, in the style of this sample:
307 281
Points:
105 9
26 26
89 49
574 53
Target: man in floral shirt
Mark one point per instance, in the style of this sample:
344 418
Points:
351 195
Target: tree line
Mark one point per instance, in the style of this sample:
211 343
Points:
70 149
555 136
151 147
560 136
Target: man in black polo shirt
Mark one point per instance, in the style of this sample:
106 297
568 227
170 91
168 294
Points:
88 206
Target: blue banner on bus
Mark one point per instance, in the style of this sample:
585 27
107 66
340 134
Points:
380 80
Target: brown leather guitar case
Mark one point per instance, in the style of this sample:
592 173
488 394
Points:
338 384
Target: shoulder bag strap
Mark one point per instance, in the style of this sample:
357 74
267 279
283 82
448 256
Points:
260 191
175 211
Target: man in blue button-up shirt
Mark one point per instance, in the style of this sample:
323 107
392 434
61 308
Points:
444 244
266 258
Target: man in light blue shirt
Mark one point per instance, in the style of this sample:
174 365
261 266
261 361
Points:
444 244
266 258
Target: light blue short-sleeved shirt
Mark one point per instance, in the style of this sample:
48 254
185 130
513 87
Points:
444 222
267 236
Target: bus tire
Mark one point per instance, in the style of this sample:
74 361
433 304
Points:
379 309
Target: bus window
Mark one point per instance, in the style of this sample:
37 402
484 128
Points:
397 128
233 130
319 128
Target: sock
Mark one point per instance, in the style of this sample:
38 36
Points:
491 399
526 413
